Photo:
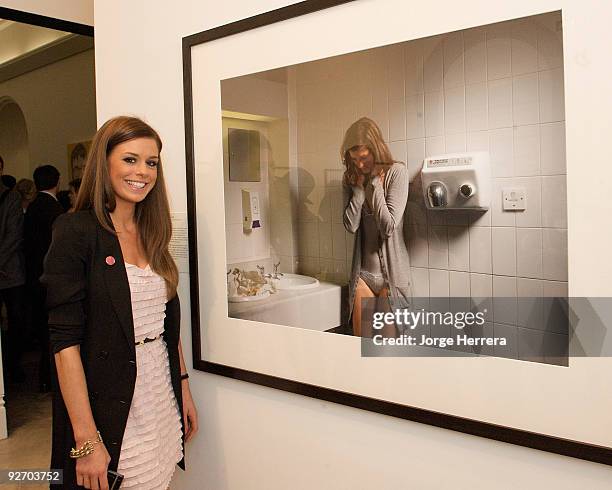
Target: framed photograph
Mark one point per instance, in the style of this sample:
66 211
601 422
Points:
347 157
77 156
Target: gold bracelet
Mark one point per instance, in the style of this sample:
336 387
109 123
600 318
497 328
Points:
87 447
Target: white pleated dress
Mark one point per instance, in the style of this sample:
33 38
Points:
152 442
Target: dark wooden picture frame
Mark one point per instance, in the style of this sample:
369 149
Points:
44 21
566 447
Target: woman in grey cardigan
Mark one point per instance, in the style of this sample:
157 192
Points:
375 195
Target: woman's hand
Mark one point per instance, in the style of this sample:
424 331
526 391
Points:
91 469
190 414
354 177
360 180
380 171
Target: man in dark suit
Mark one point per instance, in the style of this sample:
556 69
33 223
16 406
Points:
12 277
39 218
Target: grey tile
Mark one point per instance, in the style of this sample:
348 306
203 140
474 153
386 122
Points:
441 331
544 347
509 332
482 305
459 304
504 300
487 331
555 315
438 330
505 310
478 332
530 312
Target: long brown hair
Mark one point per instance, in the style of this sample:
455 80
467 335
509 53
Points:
363 132
152 214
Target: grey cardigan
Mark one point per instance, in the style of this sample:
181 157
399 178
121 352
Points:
388 203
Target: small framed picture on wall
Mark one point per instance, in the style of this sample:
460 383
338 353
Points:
77 156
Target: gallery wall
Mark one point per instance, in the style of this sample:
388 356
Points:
253 437
59 108
14 147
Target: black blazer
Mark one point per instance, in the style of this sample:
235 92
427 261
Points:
89 305
38 223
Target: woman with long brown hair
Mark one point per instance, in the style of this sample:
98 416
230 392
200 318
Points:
122 400
375 194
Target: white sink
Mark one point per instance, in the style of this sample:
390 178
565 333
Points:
316 308
248 299
296 281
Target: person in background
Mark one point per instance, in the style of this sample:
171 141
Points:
39 218
63 197
12 277
27 190
120 380
74 187
9 181
375 195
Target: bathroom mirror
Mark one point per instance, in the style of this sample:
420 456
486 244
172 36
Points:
271 304
243 155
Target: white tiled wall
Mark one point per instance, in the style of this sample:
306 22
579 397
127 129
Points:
244 246
497 88
276 241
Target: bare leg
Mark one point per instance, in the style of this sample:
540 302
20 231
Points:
362 291
388 331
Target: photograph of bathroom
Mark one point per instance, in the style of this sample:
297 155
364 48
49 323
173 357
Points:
496 89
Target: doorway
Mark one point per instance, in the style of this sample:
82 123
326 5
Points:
47 108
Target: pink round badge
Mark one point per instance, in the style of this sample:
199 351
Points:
110 260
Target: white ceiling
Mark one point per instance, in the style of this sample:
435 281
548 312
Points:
5 23
18 40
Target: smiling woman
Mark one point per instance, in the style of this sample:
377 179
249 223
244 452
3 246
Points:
122 395
133 169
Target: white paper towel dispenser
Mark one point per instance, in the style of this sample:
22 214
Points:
457 181
251 217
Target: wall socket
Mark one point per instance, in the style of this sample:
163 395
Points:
514 199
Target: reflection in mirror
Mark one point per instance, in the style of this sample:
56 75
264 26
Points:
350 147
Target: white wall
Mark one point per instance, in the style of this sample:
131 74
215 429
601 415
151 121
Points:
258 438
253 245
272 242
58 104
80 11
